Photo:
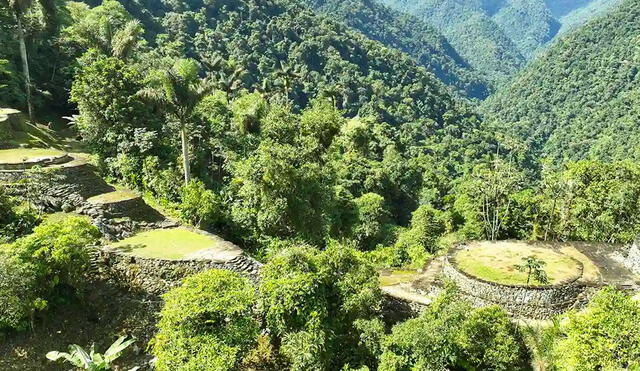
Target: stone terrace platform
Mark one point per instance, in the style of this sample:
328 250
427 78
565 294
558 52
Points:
602 265
144 250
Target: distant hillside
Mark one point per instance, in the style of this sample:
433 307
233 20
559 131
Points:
410 35
497 37
581 99
528 23
473 33
582 14
283 47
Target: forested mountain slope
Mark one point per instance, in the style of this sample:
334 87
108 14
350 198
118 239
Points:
410 35
582 13
471 31
283 47
496 37
581 99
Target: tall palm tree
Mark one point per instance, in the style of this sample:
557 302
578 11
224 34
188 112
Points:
226 79
109 35
18 8
179 90
229 82
287 73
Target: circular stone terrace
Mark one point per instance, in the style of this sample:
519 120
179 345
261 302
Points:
26 158
496 263
485 273
178 243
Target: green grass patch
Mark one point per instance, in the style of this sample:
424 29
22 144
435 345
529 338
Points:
395 277
56 217
495 262
172 244
20 155
111 197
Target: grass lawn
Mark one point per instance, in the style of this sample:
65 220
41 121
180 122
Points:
111 197
495 262
56 217
390 278
172 243
20 155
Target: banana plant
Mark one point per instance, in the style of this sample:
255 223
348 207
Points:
93 361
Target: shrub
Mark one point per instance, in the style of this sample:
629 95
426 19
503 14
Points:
313 300
18 289
450 334
207 323
15 220
36 267
605 336
57 250
199 206
388 256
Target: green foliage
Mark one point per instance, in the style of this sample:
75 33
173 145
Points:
41 22
497 37
491 341
470 29
410 35
108 28
594 201
113 118
18 286
420 240
319 54
281 191
314 300
57 250
606 335
4 73
199 206
450 334
54 257
15 220
484 198
580 99
534 268
206 323
372 219
93 360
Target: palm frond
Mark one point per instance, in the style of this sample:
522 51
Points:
125 40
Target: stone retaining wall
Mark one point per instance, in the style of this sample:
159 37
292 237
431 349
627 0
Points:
133 208
521 301
70 185
31 164
632 260
157 276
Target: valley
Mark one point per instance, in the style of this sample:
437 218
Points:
349 185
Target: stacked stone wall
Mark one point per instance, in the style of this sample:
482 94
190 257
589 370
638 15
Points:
539 302
31 164
157 276
69 186
632 258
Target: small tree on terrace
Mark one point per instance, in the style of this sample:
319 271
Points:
179 90
534 269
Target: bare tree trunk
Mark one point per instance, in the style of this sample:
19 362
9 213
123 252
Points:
25 65
185 154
